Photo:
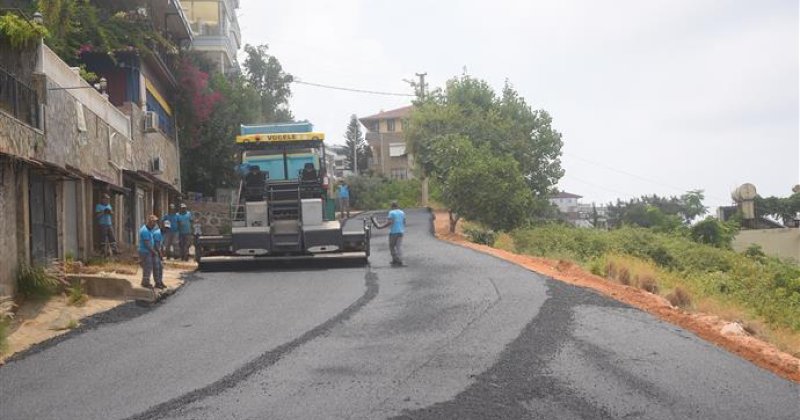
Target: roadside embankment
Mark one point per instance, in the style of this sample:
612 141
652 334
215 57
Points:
715 328
103 287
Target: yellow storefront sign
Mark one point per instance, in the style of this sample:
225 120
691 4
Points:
267 138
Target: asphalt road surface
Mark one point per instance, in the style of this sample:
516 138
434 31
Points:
453 335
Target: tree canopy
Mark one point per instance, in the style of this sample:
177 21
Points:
653 211
265 74
354 140
485 150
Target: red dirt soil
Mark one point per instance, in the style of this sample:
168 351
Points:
705 326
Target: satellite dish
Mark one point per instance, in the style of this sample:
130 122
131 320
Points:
796 189
745 192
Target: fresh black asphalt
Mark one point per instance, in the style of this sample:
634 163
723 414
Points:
453 335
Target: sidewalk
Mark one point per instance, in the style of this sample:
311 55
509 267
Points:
39 320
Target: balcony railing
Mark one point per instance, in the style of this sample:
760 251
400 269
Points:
18 99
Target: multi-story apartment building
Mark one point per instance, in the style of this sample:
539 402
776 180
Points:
385 138
64 143
216 30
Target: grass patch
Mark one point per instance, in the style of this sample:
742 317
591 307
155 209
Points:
5 326
680 298
76 295
35 281
764 288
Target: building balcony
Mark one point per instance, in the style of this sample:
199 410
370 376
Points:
18 99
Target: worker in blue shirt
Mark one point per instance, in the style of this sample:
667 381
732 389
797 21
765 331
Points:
344 200
104 213
185 232
169 228
397 221
158 258
147 251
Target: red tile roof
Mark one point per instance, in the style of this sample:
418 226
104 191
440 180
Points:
394 113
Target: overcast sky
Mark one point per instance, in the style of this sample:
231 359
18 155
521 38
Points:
656 96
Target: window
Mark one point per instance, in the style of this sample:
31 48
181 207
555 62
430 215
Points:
399 174
390 125
397 149
203 16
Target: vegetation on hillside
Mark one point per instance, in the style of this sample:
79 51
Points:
767 287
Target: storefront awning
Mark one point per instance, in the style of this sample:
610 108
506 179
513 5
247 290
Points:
147 178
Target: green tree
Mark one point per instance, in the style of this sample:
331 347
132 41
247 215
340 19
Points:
447 128
784 208
265 74
653 211
354 140
714 232
490 190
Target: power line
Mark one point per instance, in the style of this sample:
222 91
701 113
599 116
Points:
371 92
635 175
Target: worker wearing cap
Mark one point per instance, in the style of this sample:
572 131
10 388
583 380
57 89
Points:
397 221
104 213
169 228
147 251
184 221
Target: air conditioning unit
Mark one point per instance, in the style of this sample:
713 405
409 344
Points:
157 165
150 122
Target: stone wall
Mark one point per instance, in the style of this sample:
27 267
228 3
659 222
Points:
8 228
18 138
90 146
214 218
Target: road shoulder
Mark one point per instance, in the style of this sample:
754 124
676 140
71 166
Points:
39 321
708 327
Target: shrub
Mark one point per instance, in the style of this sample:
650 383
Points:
4 327
755 252
624 276
373 193
480 235
76 296
648 284
680 298
35 281
611 270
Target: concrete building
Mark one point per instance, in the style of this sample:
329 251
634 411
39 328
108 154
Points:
385 137
215 30
577 213
63 144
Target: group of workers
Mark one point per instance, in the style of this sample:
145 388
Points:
167 237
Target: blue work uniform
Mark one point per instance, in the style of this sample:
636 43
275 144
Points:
158 266
146 257
398 228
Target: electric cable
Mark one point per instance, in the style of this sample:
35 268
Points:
347 89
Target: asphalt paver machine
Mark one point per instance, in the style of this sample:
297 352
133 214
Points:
282 209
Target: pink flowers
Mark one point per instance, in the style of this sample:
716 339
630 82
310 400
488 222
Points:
85 48
202 100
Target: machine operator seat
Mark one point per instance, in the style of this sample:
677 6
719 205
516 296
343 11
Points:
308 173
254 184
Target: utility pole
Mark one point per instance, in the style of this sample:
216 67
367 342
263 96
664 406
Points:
421 96
355 156
421 86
